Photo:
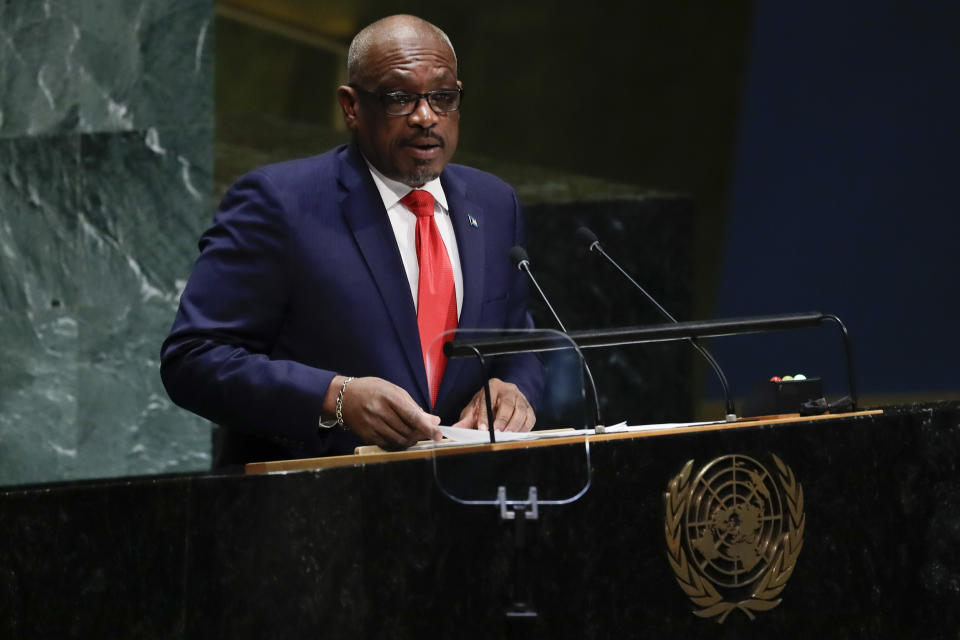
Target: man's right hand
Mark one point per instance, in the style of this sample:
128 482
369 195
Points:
381 413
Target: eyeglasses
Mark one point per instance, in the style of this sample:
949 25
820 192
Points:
401 103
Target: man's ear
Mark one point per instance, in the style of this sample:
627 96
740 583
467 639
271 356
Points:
347 97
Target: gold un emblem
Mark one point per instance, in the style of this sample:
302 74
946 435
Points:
734 532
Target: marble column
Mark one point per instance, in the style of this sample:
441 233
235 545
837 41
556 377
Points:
105 180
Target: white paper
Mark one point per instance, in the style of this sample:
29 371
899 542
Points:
459 435
624 428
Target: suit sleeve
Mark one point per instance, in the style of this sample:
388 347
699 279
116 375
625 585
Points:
216 361
524 370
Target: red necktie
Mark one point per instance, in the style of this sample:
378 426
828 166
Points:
436 293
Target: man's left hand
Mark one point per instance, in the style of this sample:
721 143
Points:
511 410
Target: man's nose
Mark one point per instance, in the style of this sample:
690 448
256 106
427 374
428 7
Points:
423 115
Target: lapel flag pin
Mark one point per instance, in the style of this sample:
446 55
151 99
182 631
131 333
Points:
472 221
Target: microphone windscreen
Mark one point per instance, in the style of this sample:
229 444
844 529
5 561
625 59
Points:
588 237
518 255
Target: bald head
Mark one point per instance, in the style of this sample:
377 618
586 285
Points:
389 30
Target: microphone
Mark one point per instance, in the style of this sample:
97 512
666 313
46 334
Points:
589 238
520 259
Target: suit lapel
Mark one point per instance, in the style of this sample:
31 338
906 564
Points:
470 244
368 221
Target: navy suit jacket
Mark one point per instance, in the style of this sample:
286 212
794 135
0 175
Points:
300 279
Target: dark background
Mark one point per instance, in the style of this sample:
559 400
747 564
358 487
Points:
842 197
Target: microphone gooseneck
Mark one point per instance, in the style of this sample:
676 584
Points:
520 259
589 238
518 255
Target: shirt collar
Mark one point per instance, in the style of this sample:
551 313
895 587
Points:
391 191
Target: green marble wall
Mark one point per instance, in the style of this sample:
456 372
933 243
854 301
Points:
105 175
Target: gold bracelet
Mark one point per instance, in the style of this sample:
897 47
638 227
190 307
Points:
340 403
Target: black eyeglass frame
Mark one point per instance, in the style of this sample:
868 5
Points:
382 98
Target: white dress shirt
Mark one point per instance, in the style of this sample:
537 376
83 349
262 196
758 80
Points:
404 223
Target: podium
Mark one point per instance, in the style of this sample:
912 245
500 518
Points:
373 550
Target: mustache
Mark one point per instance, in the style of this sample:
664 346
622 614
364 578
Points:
424 138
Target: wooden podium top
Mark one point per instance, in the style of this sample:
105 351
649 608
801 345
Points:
374 454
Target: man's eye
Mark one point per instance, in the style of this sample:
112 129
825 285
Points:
444 99
398 98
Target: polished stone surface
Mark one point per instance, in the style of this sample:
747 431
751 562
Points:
114 65
112 569
239 532
105 174
377 551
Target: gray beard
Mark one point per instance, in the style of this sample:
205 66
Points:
419 177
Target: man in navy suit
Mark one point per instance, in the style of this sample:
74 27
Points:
307 324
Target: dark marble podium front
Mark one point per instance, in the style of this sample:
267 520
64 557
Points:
376 551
